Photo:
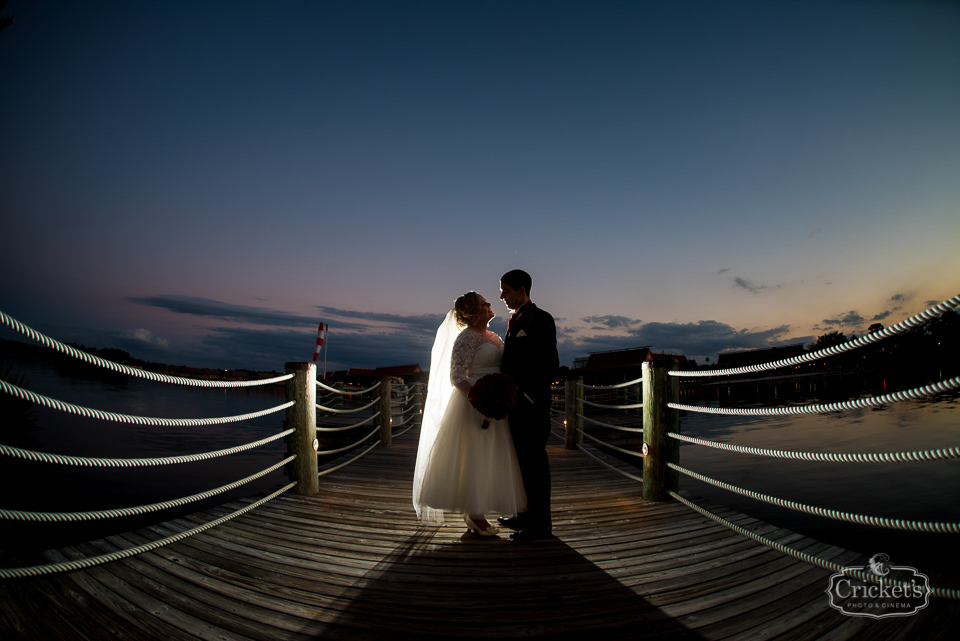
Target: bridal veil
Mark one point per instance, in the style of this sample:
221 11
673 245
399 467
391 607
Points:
439 392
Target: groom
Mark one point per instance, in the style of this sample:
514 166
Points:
530 357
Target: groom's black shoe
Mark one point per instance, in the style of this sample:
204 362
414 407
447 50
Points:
532 532
513 522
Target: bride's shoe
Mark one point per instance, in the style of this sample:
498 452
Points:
489 531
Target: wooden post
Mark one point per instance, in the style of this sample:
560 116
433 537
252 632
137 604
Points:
302 417
418 399
659 389
386 411
573 405
570 413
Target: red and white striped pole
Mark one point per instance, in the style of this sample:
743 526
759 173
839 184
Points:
316 351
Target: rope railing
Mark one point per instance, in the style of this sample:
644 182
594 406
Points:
350 392
608 445
14 324
629 406
351 411
404 431
53 403
79 564
616 386
61 459
622 428
943 593
348 427
602 462
55 517
893 524
342 465
893 330
406 420
412 407
821 408
873 457
348 447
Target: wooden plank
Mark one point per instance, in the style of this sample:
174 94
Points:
353 562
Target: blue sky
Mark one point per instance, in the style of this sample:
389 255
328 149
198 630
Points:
204 182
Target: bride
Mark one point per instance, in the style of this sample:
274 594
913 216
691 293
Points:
461 467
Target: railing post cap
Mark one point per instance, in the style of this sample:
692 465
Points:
299 366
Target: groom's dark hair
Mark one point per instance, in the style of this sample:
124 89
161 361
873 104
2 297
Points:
517 278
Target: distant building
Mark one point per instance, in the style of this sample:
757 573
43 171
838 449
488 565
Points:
618 365
398 370
408 373
758 356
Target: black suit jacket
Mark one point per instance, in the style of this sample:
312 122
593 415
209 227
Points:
530 353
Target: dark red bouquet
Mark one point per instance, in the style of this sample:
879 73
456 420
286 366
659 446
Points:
493 395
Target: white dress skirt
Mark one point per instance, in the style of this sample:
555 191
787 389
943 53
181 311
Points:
473 470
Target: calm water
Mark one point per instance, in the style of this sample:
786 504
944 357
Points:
927 491
920 491
51 488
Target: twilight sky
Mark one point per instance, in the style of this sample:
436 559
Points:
201 183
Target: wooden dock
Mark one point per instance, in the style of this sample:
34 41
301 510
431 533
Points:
354 563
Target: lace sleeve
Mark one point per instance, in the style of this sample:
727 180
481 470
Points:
463 349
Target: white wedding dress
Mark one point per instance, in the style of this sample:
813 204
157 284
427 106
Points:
465 469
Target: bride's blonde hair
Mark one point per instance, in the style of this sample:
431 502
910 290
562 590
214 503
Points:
467 308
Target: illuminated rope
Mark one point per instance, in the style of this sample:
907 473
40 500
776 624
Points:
638 430
859 403
893 524
406 420
344 449
348 392
612 447
132 371
53 403
870 577
632 406
404 431
70 566
602 462
877 457
617 386
357 409
43 457
348 427
334 469
899 328
49 517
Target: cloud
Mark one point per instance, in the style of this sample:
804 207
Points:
705 337
147 336
610 321
422 322
930 303
850 318
271 348
813 233
882 315
227 311
372 340
898 297
750 286
723 271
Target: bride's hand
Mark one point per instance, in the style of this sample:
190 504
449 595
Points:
464 388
